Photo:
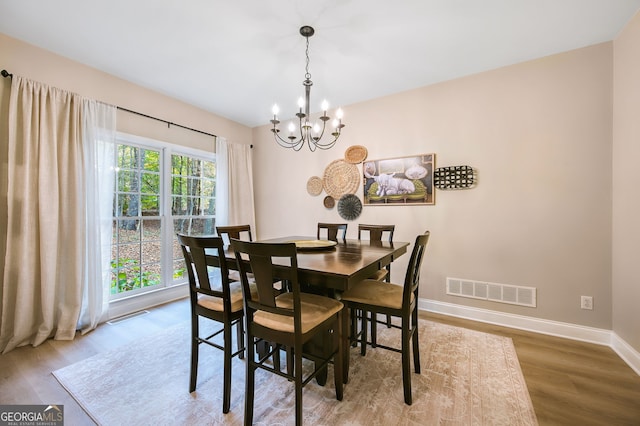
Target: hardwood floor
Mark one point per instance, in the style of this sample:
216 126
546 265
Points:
570 383
26 372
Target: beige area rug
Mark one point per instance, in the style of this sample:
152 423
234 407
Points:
468 378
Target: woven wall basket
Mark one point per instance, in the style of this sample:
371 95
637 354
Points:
355 154
341 178
314 185
329 202
349 207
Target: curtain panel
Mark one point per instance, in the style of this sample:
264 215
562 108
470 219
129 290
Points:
54 268
234 184
98 141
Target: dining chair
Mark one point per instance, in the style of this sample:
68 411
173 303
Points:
239 232
332 230
289 320
212 296
376 232
399 301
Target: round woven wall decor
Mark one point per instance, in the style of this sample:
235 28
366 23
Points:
314 185
355 154
341 178
349 207
329 202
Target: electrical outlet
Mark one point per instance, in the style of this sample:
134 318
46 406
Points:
586 302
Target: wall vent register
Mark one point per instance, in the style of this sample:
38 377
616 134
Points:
503 293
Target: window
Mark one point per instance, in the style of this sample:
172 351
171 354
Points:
192 202
156 181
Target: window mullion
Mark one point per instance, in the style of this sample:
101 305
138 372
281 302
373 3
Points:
166 218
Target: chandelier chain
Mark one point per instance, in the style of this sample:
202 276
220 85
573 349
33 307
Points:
307 74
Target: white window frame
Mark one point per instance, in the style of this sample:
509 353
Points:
166 149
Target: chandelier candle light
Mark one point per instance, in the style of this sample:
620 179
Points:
311 134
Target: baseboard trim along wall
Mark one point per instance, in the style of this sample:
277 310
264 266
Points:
537 325
626 352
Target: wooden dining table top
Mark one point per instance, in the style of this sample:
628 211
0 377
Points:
340 266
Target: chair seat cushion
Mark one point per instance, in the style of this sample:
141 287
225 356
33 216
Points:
235 291
380 275
314 310
375 293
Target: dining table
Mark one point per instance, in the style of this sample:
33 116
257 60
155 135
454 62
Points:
337 265
332 267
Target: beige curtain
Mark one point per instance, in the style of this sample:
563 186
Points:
234 184
44 267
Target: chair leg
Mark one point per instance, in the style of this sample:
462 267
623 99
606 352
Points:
298 383
194 352
354 328
389 281
363 342
240 337
337 358
276 356
416 343
406 361
250 381
290 361
226 390
346 344
374 329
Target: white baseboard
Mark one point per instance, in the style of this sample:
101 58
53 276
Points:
626 352
537 325
126 306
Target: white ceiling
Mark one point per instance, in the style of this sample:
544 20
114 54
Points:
236 58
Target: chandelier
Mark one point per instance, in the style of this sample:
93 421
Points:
306 131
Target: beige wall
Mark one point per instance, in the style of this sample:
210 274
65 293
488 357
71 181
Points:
626 181
539 136
37 64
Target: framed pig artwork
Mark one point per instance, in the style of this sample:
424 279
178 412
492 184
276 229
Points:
399 181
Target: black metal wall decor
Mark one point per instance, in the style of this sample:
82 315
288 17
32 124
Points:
453 177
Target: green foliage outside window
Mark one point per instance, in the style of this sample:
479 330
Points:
128 276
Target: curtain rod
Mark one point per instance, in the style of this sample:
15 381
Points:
169 123
6 74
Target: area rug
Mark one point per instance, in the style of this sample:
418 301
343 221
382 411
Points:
468 378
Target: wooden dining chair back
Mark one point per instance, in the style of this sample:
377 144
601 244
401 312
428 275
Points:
333 231
212 296
376 233
286 320
239 232
399 301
